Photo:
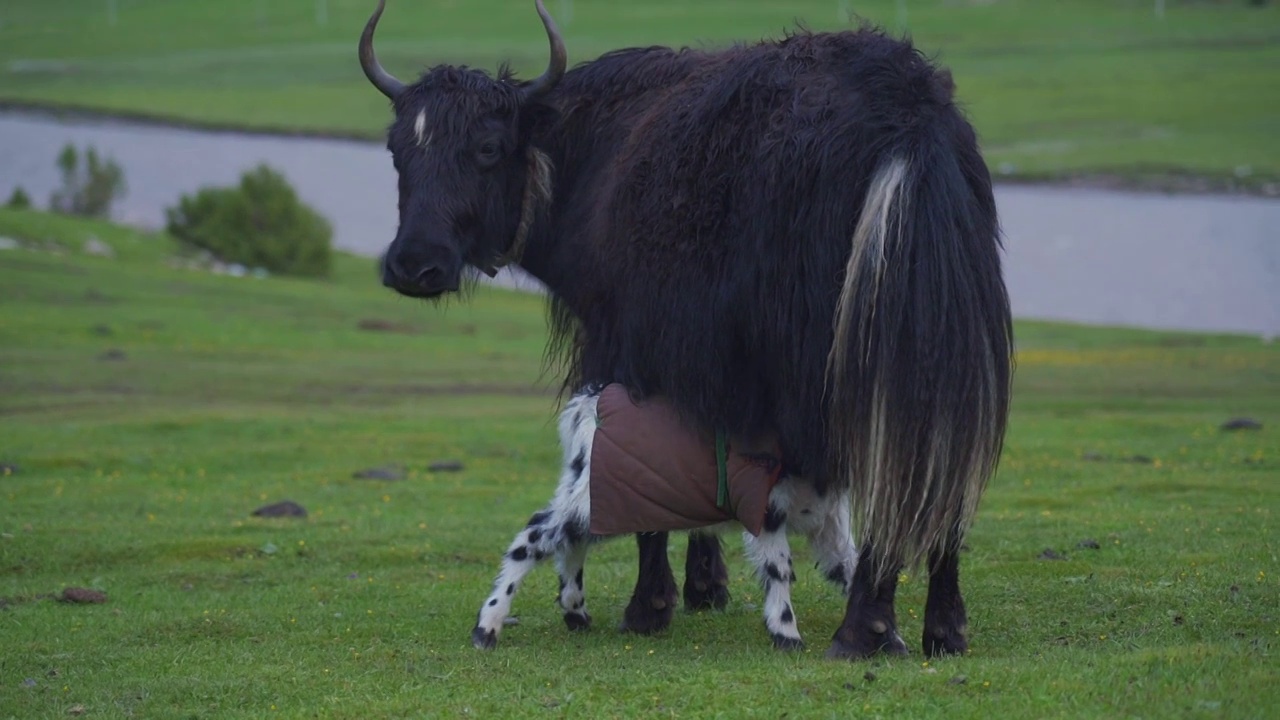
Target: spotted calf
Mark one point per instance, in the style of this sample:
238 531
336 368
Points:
561 529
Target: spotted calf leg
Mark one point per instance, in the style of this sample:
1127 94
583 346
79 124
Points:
771 554
573 599
560 529
825 521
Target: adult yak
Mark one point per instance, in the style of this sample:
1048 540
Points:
796 238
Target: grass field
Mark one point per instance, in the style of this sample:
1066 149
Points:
150 410
1055 88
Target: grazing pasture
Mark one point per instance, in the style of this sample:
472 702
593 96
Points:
1123 564
1100 87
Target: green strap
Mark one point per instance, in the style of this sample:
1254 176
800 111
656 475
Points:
722 471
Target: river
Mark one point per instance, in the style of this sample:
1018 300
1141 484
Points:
1180 262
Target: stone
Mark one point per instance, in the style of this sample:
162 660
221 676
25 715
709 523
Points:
284 508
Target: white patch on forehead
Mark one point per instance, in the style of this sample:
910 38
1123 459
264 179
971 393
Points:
420 129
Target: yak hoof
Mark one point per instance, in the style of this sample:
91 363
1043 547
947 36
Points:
483 639
647 618
705 596
941 641
867 644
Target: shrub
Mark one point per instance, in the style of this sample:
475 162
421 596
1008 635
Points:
90 189
260 224
19 200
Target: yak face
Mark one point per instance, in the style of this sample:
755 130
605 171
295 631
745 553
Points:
458 149
460 145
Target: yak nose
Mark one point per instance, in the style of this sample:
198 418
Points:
423 278
436 278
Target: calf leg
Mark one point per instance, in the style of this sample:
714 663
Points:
653 601
706 577
825 522
560 528
945 622
870 625
573 599
530 546
771 554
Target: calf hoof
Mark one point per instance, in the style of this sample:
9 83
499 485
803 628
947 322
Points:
577 622
701 595
945 640
783 642
875 638
648 617
483 639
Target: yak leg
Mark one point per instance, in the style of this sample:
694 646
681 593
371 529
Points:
654 599
945 622
771 554
706 577
869 624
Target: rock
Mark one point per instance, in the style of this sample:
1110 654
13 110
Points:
1051 554
375 325
94 246
1088 544
29 682
284 508
958 680
113 355
8 243
1241 423
382 473
82 596
445 466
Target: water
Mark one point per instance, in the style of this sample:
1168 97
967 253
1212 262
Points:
1101 257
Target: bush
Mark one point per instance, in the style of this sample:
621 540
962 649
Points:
259 224
19 200
87 191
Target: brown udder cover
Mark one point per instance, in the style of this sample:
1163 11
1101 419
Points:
651 472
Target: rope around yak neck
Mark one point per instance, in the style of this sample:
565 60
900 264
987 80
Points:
537 192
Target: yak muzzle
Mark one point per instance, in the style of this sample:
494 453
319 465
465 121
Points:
427 275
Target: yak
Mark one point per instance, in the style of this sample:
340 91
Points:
795 238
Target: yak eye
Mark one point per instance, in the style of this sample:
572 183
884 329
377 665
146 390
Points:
489 152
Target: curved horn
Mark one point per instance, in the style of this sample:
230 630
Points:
381 79
559 58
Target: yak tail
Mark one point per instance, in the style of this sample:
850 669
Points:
918 375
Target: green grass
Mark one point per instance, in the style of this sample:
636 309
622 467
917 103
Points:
1055 88
137 476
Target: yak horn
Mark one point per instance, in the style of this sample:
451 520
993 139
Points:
381 79
559 59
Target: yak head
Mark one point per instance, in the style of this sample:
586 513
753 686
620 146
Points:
469 179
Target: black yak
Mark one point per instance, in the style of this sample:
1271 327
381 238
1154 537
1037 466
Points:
794 238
